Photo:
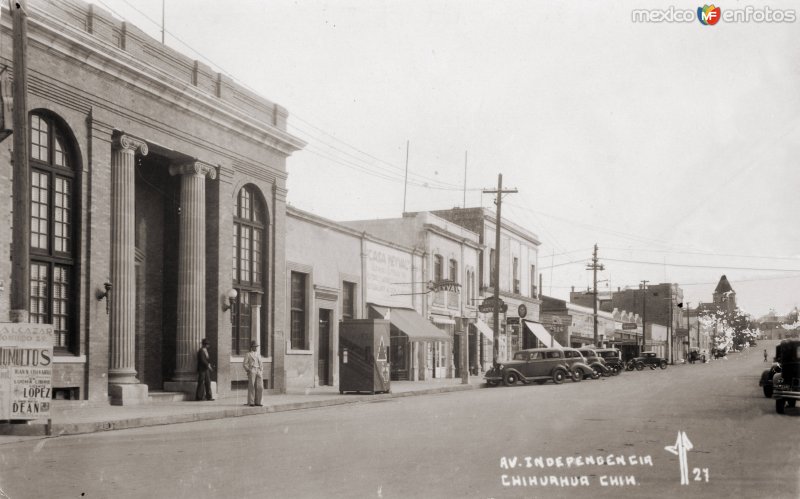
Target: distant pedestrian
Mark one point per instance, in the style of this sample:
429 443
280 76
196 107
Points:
765 355
255 375
204 369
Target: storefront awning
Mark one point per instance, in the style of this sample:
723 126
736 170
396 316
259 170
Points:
542 334
485 330
412 324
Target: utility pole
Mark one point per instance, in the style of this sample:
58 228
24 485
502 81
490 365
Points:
163 16
594 266
496 313
644 313
671 331
20 246
405 182
689 332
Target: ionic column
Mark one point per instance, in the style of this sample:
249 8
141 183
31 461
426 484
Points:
123 293
191 266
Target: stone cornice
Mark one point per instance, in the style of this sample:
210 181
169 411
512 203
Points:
84 50
194 168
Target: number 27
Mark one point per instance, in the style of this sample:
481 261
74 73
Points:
700 475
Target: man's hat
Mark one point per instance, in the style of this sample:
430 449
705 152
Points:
253 344
205 341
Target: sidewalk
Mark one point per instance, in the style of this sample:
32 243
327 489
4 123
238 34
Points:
71 418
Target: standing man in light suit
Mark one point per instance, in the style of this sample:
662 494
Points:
255 375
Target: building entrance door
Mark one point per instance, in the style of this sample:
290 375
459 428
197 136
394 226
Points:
398 352
324 346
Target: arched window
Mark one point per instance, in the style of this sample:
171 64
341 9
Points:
248 318
54 193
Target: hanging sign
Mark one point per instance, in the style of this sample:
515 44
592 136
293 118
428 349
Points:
26 365
488 305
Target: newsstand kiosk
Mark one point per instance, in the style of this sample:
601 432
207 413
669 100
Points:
364 356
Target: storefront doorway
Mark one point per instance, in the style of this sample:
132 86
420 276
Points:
398 356
324 347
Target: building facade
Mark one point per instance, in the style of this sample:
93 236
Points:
518 275
158 200
448 292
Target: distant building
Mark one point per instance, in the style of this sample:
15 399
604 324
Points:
656 304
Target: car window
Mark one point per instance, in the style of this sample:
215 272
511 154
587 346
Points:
553 355
536 355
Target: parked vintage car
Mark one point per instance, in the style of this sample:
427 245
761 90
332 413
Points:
613 359
595 361
766 377
532 365
578 366
786 384
650 359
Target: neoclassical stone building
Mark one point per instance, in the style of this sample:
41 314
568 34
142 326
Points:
158 191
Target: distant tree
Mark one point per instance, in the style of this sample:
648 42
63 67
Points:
730 329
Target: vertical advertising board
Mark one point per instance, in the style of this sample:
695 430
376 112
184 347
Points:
26 362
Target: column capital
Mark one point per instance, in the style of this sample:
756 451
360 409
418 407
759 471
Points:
129 143
194 168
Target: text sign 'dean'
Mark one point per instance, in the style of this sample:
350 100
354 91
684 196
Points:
26 361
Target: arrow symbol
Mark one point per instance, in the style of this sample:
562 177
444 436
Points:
681 447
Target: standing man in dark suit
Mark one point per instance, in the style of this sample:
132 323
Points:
203 373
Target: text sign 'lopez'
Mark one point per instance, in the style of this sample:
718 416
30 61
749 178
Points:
26 362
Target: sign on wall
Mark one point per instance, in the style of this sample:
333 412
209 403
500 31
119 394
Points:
26 361
389 278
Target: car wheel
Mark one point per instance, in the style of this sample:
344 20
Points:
663 364
791 403
779 405
577 375
616 370
559 375
639 366
768 391
509 379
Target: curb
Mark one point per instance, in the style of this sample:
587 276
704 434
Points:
64 429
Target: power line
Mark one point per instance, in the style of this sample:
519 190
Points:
791 258
700 266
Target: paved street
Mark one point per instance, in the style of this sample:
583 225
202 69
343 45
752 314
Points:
451 445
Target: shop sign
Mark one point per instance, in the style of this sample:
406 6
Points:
444 286
489 305
512 320
26 362
522 310
628 325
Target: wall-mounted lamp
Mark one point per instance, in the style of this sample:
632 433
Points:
231 299
104 295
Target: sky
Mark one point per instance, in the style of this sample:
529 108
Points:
672 146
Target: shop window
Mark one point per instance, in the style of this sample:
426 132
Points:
53 220
299 331
533 281
249 271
